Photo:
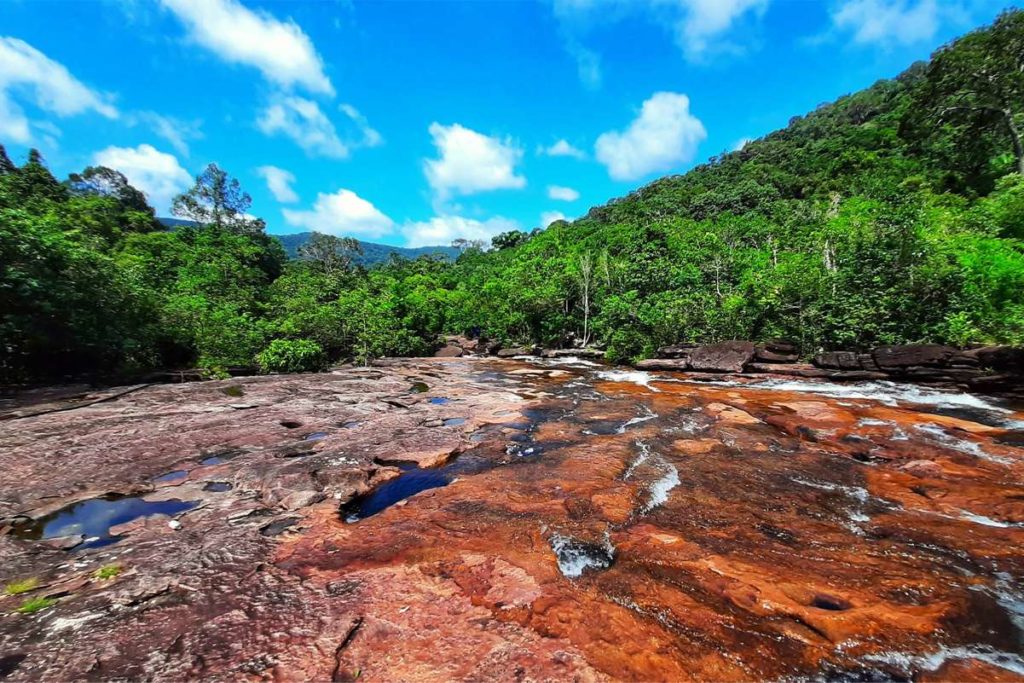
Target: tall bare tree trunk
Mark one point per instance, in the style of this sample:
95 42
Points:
1018 145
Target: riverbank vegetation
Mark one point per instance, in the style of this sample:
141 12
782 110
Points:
893 215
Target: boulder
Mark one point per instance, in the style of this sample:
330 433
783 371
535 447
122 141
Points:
789 369
728 356
663 364
896 358
516 351
867 362
838 360
1002 359
950 374
450 351
568 353
780 346
676 351
766 354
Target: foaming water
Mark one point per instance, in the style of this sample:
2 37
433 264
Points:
944 438
574 556
572 361
639 377
660 488
909 664
894 394
648 414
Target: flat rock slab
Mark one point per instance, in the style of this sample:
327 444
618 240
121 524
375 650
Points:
578 523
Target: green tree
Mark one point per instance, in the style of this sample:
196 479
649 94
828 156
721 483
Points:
977 84
217 199
330 254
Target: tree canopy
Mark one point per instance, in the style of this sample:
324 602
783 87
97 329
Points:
895 214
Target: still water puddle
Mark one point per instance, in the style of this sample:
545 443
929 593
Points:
94 518
176 475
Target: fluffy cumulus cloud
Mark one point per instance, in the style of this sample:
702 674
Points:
443 230
28 74
279 182
342 213
282 52
662 137
562 148
700 27
888 22
549 217
469 162
563 194
305 123
158 174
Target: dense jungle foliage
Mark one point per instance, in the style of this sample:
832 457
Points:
892 215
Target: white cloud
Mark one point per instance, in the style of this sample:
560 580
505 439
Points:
279 49
588 63
175 131
564 194
700 24
471 162
158 174
369 137
741 143
303 121
549 217
29 74
562 148
888 22
279 182
443 230
664 135
341 213
699 27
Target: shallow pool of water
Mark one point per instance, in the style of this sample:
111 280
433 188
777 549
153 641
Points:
93 518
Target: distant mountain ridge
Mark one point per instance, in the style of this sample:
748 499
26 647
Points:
373 253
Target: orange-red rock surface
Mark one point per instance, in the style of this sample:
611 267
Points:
577 523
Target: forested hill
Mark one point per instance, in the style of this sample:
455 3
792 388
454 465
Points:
893 215
370 253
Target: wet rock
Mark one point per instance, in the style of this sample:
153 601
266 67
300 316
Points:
838 360
763 354
679 364
681 351
1001 359
791 369
65 542
729 356
711 540
513 351
895 358
570 353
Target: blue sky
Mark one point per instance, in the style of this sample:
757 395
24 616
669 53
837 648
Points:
421 122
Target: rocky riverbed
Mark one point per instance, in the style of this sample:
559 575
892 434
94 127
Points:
505 519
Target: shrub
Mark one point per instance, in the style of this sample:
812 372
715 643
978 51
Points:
107 572
36 604
291 355
22 586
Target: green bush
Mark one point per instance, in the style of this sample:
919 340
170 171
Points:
291 355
